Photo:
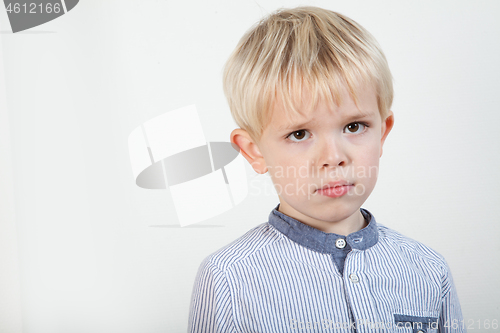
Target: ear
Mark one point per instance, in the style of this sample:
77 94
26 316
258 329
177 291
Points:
242 141
387 125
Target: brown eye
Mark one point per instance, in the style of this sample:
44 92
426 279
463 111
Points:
298 136
355 127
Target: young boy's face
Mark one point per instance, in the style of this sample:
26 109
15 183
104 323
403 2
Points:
342 145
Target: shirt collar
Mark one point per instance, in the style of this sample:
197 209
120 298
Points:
320 241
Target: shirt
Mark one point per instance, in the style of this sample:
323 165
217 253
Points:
285 276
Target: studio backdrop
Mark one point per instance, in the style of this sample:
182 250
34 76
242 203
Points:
117 176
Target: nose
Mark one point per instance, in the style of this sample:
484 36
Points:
332 153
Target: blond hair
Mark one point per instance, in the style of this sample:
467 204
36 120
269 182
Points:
302 50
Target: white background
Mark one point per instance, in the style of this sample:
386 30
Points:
83 249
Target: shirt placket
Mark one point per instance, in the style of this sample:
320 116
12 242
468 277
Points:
358 295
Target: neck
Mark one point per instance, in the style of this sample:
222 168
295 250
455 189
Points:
344 227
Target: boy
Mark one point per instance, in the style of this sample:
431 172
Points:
312 91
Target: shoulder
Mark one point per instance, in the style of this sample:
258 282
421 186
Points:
411 250
254 241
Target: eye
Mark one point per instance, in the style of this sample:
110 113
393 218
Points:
298 135
356 127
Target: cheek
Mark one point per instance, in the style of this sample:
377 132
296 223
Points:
291 171
372 156
367 159
371 150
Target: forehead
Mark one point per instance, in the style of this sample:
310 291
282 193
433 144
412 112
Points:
308 114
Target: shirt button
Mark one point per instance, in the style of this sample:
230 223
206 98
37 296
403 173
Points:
340 243
354 278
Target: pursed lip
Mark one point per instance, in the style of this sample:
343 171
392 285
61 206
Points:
336 184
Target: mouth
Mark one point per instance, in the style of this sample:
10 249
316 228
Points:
335 189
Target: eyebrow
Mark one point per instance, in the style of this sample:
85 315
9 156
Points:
301 125
359 116
348 119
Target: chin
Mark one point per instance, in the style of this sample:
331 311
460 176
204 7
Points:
337 212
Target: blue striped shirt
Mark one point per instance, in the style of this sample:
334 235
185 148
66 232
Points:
285 276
